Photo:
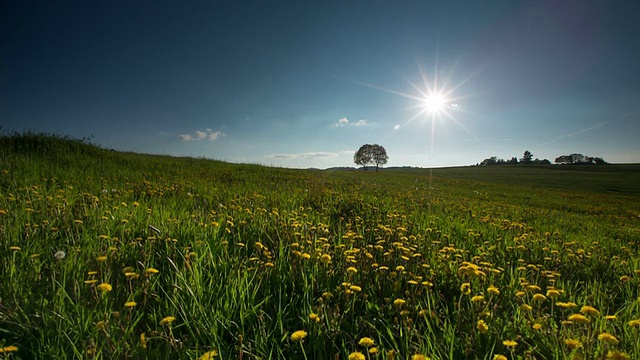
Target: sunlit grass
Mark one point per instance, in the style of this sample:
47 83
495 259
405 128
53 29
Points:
115 255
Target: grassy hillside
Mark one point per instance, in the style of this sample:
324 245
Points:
119 255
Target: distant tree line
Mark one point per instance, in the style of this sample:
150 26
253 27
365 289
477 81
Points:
527 159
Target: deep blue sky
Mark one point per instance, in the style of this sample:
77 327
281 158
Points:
305 83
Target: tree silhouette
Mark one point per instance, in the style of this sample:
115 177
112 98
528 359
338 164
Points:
371 154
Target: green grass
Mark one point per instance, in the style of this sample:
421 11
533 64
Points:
240 253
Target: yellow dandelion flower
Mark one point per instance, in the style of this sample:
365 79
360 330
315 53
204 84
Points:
398 302
209 355
131 275
579 318
589 310
91 281
130 304
624 278
477 298
355 288
167 320
493 290
356 355
143 341
539 297
520 294
610 317
366 341
634 323
14 248
314 317
101 258
608 338
572 343
104 287
151 270
419 357
566 305
617 355
465 288
499 357
404 313
553 293
373 350
325 258
509 343
482 326
298 335
352 270
526 307
8 349
537 326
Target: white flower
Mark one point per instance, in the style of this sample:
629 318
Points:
59 255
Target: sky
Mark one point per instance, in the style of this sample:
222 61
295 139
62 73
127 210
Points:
305 83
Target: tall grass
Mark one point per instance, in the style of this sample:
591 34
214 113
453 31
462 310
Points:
202 256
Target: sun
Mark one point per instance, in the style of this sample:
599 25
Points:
435 103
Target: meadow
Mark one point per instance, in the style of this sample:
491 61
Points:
113 255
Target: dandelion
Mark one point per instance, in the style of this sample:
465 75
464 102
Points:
314 317
373 350
14 248
482 326
91 281
419 357
526 307
499 357
572 343
209 355
167 320
566 305
355 288
539 297
391 354
151 271
634 323
477 298
579 318
493 290
130 304
610 317
104 287
8 349
465 288
101 258
59 255
589 310
398 302
509 343
356 355
143 341
608 338
617 355
537 326
352 270
366 342
298 335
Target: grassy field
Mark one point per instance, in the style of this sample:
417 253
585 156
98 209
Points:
118 255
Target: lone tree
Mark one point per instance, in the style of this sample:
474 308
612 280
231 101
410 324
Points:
526 159
370 154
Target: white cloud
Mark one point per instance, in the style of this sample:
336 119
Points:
306 155
208 134
396 127
345 122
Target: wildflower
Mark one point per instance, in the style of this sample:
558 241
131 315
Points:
398 302
579 318
526 307
91 281
493 290
589 310
477 298
617 355
499 357
59 255
355 288
314 317
352 270
566 305
465 288
14 248
482 326
167 320
624 278
537 326
634 323
520 294
130 304
608 338
356 355
143 341
373 350
104 287
610 317
7 349
509 343
391 354
419 357
209 355
325 258
572 343
151 271
366 342
298 335
101 258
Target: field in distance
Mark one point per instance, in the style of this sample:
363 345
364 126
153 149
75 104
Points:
120 255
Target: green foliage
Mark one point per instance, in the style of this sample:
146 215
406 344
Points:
236 258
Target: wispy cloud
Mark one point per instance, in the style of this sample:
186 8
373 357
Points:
305 156
345 122
596 126
208 134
